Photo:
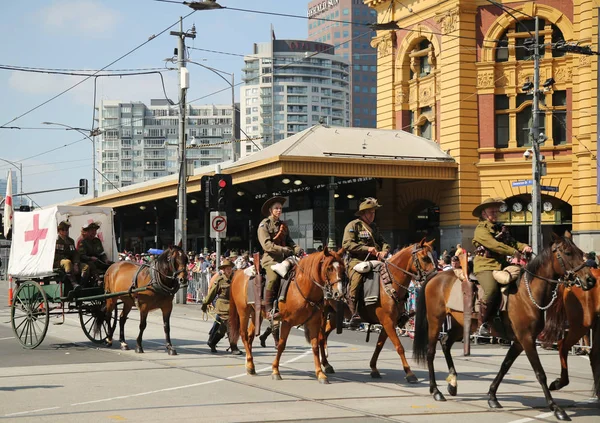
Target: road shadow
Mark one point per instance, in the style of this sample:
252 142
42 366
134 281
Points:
21 388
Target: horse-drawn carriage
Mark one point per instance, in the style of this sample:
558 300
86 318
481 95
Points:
43 292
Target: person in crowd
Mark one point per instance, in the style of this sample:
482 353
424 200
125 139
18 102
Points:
590 260
91 252
447 263
362 241
66 255
459 250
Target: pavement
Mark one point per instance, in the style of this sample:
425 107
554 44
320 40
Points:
69 379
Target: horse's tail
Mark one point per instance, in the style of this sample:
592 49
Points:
556 317
595 357
234 319
421 327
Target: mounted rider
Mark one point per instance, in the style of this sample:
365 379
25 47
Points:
274 238
221 290
92 253
489 265
362 241
66 255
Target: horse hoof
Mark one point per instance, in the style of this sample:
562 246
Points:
375 374
555 386
251 372
329 369
438 396
139 350
276 376
493 403
452 390
560 414
125 347
323 381
108 344
172 351
411 378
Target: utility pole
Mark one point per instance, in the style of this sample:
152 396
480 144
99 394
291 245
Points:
181 226
331 187
536 139
234 144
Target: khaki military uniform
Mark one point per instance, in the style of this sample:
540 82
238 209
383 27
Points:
220 290
494 257
275 251
87 249
65 255
358 237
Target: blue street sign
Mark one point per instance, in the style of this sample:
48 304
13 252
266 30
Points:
522 183
548 188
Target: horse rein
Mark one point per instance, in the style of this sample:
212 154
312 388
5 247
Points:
421 275
156 283
326 288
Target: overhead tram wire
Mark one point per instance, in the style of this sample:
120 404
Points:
152 37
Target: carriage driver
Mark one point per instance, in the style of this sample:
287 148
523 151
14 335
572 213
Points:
92 252
363 242
274 237
66 255
220 289
492 250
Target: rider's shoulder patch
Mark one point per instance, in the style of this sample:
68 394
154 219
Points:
350 230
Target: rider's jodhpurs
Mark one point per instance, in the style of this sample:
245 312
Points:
488 283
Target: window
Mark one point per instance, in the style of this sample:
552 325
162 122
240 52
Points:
502 121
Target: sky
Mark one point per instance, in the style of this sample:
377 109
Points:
89 35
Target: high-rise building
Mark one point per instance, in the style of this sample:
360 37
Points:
140 142
352 38
290 85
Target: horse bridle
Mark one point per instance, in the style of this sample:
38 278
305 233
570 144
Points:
326 288
171 290
420 276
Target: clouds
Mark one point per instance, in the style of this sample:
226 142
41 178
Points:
87 17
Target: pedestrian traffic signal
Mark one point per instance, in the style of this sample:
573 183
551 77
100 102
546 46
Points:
83 186
222 185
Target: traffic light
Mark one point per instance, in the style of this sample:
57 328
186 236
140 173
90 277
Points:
83 186
222 188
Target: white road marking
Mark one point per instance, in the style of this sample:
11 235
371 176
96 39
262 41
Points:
539 416
28 412
4 339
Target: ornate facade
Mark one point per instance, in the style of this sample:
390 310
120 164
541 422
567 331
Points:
455 74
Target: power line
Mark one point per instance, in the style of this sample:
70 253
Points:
152 37
18 67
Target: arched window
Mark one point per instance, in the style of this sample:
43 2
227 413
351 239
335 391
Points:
519 39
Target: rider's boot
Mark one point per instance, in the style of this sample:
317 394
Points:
269 294
355 319
485 314
74 283
234 349
264 336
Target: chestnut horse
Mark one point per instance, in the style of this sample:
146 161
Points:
318 275
150 286
414 262
582 310
561 263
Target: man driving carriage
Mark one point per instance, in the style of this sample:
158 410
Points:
362 241
66 256
92 253
492 247
274 238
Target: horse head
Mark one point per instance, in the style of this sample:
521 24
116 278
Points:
177 262
570 262
331 273
415 261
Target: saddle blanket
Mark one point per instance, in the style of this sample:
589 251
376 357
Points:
455 299
371 284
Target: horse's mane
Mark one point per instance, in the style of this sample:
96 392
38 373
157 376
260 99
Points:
546 255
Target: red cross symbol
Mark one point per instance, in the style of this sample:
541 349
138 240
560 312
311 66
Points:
36 234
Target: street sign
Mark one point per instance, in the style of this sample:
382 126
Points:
548 188
218 225
522 183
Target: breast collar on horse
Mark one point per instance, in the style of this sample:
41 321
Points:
156 280
420 277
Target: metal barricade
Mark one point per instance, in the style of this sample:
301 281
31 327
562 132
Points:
198 286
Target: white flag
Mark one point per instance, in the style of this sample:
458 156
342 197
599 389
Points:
8 205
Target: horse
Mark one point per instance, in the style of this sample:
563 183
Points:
413 262
150 287
561 263
581 309
318 276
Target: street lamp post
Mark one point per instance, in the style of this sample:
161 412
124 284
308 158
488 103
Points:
93 133
18 166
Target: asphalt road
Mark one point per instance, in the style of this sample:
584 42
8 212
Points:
68 379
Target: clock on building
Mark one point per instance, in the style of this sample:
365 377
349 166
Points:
547 206
503 207
530 207
518 207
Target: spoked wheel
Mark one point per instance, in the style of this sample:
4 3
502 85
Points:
30 314
89 313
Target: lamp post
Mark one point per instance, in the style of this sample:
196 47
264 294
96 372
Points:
18 166
232 85
92 133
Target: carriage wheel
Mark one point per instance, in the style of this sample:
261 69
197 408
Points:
89 312
30 314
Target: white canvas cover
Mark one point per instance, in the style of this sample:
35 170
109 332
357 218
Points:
34 236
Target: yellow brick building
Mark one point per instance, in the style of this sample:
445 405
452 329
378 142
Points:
444 76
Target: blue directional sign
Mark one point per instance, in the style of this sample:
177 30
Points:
522 183
548 188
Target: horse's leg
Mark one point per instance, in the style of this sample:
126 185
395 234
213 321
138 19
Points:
244 315
373 364
389 326
453 335
284 331
435 320
564 345
111 303
127 305
313 329
143 322
323 335
166 311
511 355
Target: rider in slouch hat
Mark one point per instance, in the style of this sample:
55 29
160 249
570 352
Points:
362 241
492 248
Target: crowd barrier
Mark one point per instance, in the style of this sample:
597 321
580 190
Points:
198 286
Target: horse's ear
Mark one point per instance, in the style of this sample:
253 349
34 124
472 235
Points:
430 243
180 243
326 250
555 237
341 251
568 235
422 241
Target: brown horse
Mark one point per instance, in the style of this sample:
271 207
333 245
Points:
582 310
561 263
318 275
413 262
151 286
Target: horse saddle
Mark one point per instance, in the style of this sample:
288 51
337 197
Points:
252 290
